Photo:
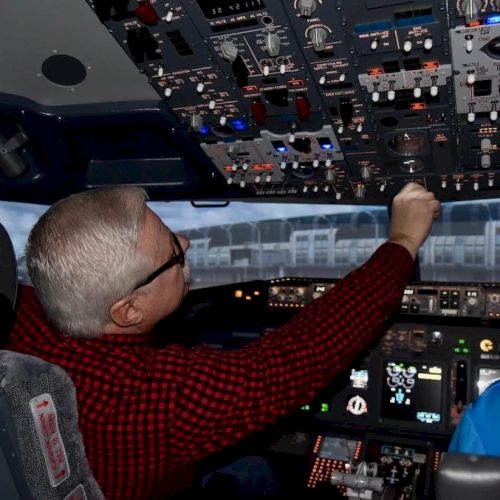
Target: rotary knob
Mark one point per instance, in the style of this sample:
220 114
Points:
307 7
272 43
318 38
229 51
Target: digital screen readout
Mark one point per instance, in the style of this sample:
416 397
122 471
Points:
221 8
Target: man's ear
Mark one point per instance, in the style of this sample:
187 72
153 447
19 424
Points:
126 312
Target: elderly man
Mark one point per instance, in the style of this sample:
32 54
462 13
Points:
106 270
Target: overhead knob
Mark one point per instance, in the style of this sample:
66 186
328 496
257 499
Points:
307 7
458 187
272 43
322 80
494 112
282 69
359 128
471 78
471 8
476 186
486 161
485 145
283 165
318 38
428 44
434 87
160 70
443 184
491 183
169 16
328 162
391 93
196 122
222 120
168 92
374 44
469 46
200 86
211 105
407 46
342 77
229 51
338 195
360 191
366 173
265 70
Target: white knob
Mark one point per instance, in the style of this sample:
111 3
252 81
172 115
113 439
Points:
211 105
476 186
342 77
326 189
471 116
268 178
169 16
493 115
295 165
468 46
234 167
291 138
316 163
229 51
485 161
272 43
244 167
443 184
359 128
485 145
168 92
229 181
376 96
257 179
391 95
382 187
200 87
338 195
328 162
242 184
322 79
283 165
282 69
490 183
305 189
428 44
434 90
160 71
340 130
315 189
222 120
471 78
458 186
265 70
407 46
374 44
417 92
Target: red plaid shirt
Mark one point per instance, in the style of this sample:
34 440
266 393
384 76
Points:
147 413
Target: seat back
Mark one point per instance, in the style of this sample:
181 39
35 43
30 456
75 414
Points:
462 477
40 438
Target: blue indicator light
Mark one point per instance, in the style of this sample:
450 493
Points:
282 149
378 26
327 146
239 124
204 130
492 19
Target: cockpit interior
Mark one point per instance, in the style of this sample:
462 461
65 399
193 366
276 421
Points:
274 134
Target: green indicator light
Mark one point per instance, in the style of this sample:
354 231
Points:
306 408
466 350
461 341
456 350
325 408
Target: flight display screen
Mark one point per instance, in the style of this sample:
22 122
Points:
412 391
221 8
486 377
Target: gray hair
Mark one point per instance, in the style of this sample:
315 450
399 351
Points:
82 257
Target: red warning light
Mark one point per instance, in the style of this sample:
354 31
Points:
375 71
417 106
430 65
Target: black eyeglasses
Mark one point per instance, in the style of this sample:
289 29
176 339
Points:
178 258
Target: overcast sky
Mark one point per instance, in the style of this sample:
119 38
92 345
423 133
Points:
19 218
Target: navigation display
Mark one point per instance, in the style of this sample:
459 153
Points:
412 391
486 377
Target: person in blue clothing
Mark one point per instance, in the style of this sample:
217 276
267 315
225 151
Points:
477 433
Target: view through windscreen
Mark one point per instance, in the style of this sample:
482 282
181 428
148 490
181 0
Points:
248 241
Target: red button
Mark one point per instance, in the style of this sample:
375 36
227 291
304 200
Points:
258 111
146 13
303 107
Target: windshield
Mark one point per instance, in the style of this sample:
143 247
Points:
248 241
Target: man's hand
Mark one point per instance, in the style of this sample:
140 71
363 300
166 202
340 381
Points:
413 211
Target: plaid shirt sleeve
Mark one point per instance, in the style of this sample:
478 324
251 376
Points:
147 415
221 397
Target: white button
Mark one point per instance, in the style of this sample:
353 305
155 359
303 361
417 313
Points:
211 105
168 92
428 44
200 87
391 95
434 90
407 46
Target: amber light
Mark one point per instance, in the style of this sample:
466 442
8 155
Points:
417 106
430 65
375 71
